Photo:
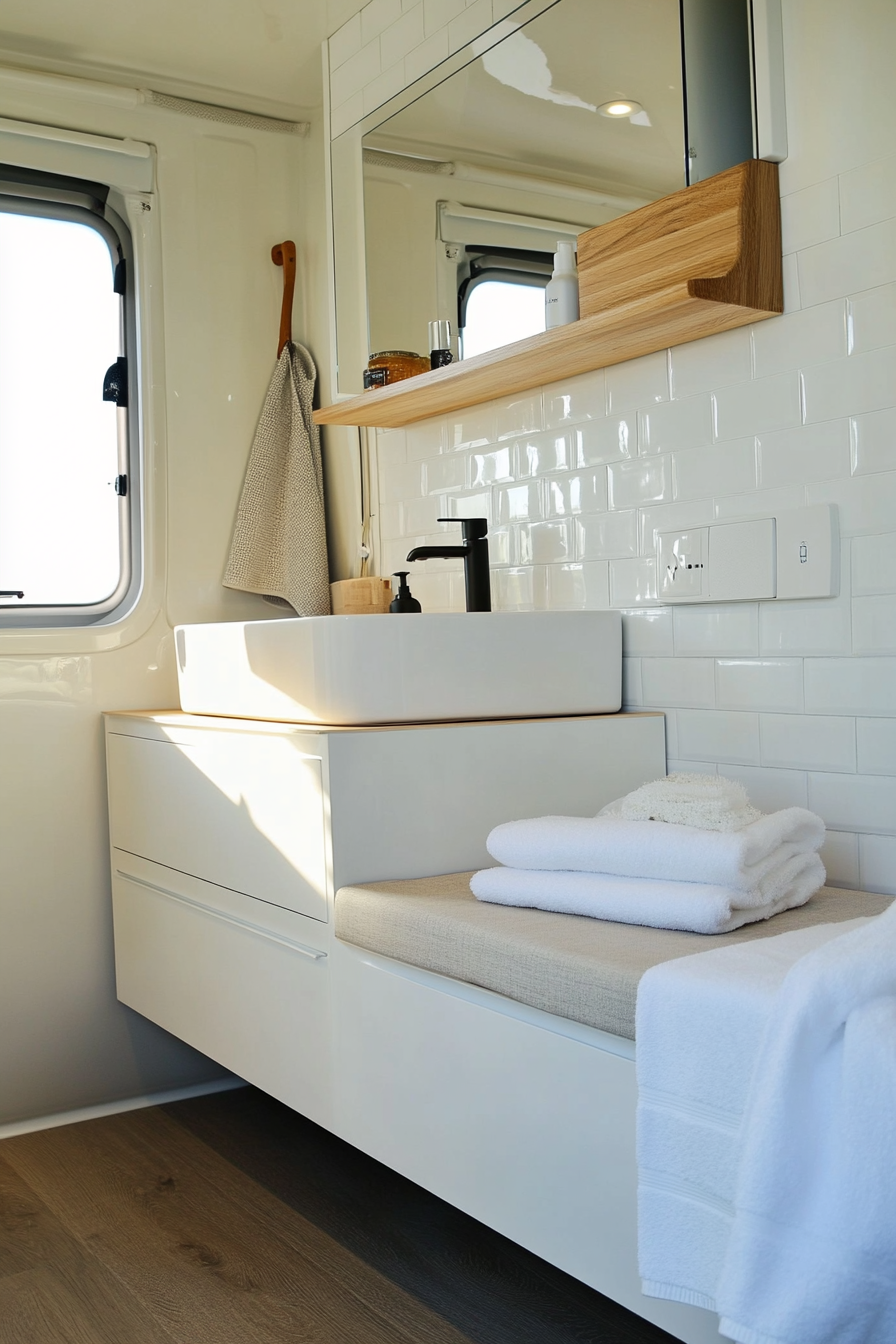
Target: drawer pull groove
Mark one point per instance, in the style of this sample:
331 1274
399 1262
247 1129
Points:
243 924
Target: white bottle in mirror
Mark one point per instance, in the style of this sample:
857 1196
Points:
561 297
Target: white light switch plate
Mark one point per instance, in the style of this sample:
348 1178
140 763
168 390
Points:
808 552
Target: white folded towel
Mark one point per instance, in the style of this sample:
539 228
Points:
700 1024
700 907
609 844
710 802
812 1253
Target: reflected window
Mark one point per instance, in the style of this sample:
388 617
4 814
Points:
498 312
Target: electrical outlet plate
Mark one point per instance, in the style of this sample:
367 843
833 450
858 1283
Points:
682 560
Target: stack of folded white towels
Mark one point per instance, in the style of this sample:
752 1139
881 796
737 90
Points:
684 852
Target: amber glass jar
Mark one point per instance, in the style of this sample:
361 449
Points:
399 364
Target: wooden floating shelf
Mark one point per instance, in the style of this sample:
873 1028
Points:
701 261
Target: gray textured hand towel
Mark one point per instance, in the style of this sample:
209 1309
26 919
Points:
279 545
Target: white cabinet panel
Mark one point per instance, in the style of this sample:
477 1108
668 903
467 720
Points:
242 810
255 999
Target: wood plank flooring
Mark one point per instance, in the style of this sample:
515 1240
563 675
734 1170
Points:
232 1220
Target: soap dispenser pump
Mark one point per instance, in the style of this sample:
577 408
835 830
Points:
561 297
403 600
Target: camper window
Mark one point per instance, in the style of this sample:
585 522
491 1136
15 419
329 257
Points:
65 478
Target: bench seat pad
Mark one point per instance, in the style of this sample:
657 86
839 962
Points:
584 969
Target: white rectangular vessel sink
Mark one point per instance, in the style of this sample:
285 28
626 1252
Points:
403 669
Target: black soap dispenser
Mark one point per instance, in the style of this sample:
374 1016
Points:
404 600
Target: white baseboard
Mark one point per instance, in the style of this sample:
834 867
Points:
226 1084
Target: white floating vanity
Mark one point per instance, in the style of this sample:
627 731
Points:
230 838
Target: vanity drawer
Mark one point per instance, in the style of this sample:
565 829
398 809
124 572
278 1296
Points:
247 984
241 810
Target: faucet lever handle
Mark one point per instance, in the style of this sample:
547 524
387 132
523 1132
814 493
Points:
473 528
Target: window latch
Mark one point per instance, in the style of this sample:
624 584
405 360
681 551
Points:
121 485
115 383
11 592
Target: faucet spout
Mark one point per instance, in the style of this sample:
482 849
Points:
474 553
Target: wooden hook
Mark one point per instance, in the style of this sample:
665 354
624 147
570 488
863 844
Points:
284 254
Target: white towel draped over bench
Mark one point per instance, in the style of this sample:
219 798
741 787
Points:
766 1115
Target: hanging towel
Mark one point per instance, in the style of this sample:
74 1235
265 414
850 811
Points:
699 1026
699 907
812 1252
279 546
707 801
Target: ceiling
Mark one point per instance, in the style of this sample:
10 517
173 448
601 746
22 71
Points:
262 55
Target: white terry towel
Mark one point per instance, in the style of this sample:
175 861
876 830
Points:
700 1024
609 844
700 907
812 1253
709 801
279 545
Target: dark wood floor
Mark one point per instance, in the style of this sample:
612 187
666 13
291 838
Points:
232 1220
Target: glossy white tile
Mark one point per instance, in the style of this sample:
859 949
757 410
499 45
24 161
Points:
849 264
861 686
477 504
502 548
865 504
542 543
791 278
647 632
400 481
446 473
874 624
403 35
808 742
579 492
632 695
726 469
769 790
676 425
389 517
809 453
378 15
421 516
874 564
519 503
345 42
427 56
877 863
876 740
426 439
637 382
522 415
493 467
632 582
812 336
702 366
357 71
675 766
873 442
680 682
384 87
575 400
522 589
840 856
758 406
810 216
854 802
868 194
872 319
538 454
605 536
850 386
760 503
718 735
760 683
473 428
643 481
728 630
608 440
581 586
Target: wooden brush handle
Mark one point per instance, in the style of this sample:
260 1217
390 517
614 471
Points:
284 254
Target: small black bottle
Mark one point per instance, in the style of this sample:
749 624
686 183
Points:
440 343
403 599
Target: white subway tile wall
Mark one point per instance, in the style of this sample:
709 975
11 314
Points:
796 700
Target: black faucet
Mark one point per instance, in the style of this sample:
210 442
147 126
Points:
475 557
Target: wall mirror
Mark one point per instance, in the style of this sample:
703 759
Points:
448 202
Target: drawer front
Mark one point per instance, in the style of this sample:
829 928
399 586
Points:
255 1000
239 810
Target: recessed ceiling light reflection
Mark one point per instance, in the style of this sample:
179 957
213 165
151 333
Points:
620 107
